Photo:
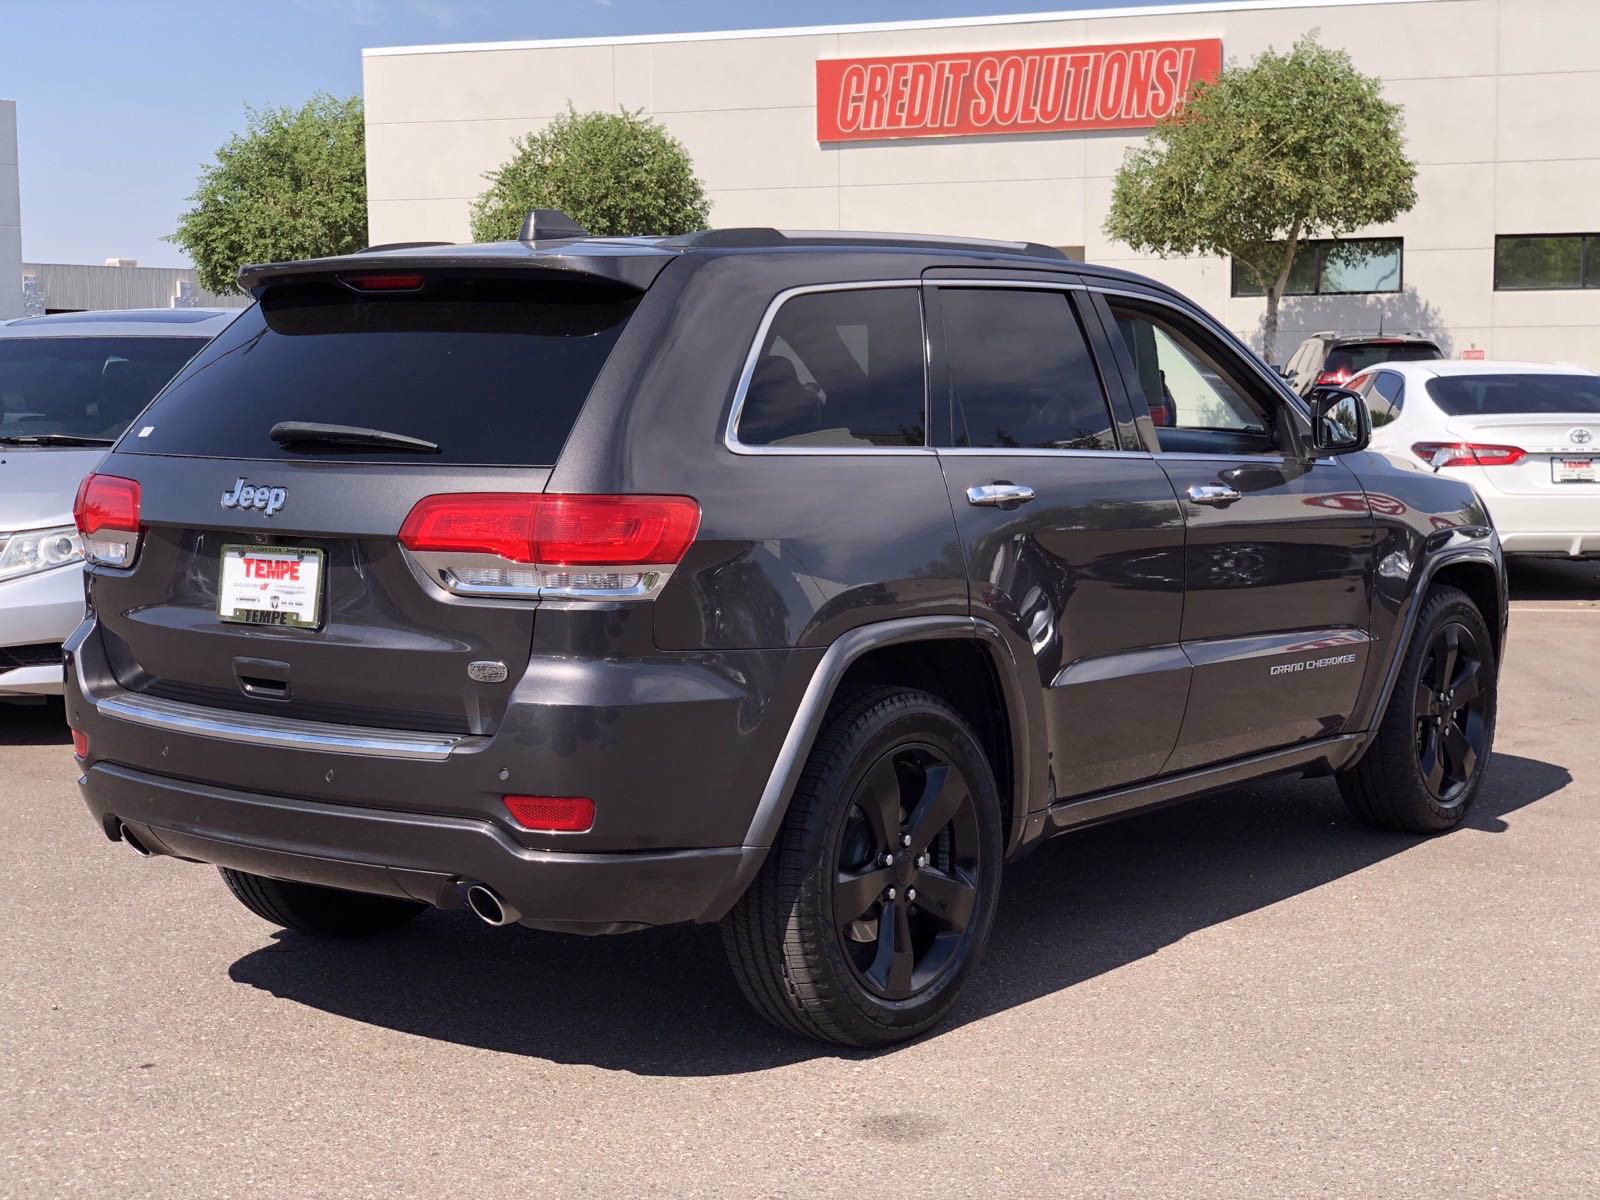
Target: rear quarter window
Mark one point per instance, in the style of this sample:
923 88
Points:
839 369
493 371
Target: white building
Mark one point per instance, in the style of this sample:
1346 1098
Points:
791 128
10 215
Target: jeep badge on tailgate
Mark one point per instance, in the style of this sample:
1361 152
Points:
243 495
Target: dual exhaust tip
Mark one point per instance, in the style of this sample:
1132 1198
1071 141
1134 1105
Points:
486 904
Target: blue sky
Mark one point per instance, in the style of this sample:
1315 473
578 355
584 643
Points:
119 102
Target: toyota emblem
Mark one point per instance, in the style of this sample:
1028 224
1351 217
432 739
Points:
1580 437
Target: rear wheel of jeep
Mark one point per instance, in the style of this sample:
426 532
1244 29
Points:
1425 766
319 911
876 901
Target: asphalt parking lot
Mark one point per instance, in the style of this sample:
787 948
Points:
1245 996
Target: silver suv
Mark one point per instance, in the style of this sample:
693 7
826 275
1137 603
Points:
69 385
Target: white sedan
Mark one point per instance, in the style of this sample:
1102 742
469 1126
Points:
1525 435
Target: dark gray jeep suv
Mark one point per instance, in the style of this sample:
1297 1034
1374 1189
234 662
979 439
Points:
794 582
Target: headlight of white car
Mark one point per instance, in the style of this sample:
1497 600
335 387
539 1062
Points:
29 551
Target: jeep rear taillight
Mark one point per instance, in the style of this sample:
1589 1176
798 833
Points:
521 544
107 515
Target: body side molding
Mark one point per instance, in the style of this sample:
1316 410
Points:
1331 753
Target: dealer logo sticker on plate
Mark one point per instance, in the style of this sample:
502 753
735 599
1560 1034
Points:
270 585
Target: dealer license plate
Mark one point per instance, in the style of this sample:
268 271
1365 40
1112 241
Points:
1573 470
270 585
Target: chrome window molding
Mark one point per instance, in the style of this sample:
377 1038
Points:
730 435
1035 452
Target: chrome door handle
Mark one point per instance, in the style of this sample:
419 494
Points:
998 495
1214 494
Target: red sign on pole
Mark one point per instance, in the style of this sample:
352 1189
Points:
1129 86
1473 352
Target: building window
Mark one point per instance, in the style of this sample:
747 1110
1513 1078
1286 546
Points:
1547 262
1335 267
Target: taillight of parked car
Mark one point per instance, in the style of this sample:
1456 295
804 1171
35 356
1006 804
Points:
1333 378
1467 454
518 544
107 515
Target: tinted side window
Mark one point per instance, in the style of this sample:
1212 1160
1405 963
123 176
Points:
839 369
1191 388
1020 372
1386 397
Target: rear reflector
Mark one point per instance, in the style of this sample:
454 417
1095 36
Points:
383 283
552 814
106 512
608 539
1467 454
80 744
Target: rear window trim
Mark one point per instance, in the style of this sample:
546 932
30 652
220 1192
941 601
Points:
730 433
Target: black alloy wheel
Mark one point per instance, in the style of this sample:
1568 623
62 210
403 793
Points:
1426 762
907 867
876 902
1451 712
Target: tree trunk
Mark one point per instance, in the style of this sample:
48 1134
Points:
1269 328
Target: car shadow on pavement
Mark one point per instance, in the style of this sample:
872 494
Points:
1553 579
663 1002
33 723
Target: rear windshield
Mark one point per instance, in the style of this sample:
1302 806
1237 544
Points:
1493 395
88 387
492 371
1367 354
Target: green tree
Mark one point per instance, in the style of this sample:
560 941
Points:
615 174
1293 146
293 185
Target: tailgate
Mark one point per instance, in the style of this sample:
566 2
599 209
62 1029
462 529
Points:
386 647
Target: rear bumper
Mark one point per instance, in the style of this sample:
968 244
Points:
1548 544
421 857
1568 525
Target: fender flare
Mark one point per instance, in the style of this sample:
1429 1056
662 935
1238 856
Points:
1485 553
1024 714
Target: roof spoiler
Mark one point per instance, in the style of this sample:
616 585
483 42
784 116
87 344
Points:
635 269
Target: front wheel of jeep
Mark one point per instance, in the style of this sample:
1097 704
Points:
1426 763
876 901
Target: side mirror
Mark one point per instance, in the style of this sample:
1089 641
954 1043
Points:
1340 421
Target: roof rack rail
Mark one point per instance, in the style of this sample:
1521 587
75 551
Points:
381 246
758 236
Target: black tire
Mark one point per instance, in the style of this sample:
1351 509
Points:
1398 783
319 911
895 967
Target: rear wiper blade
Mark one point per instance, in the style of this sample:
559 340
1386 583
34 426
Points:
314 433
53 439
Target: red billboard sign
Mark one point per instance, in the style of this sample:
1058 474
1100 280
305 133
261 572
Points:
1128 86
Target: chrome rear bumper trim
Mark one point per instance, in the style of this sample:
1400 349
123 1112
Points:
255 729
